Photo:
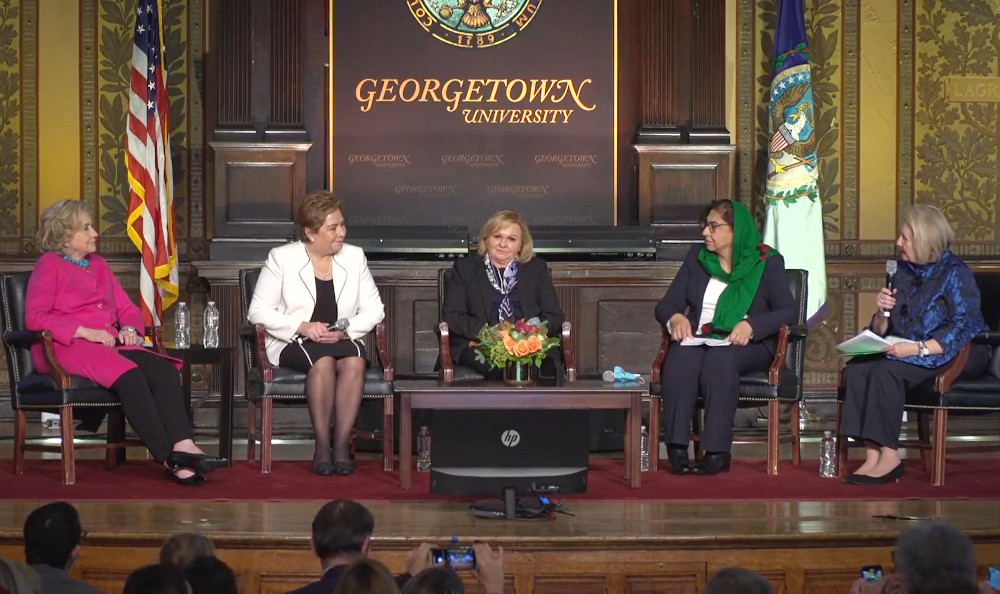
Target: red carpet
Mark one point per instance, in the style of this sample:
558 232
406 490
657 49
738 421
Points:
292 481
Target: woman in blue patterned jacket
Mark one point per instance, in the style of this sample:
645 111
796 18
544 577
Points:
935 306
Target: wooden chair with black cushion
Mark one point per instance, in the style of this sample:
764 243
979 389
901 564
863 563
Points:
450 372
57 392
266 383
947 393
780 384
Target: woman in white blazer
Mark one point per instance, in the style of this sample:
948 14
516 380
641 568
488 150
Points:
317 299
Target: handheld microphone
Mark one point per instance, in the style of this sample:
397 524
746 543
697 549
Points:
890 278
340 324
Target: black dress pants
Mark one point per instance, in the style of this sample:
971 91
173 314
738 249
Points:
153 402
875 391
714 372
468 359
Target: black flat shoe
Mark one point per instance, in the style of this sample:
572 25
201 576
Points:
201 463
189 481
324 468
713 463
852 479
892 476
679 461
344 468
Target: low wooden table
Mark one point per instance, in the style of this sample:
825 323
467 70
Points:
581 394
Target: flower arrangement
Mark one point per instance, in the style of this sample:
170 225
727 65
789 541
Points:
520 342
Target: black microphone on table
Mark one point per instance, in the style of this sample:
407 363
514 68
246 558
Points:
890 279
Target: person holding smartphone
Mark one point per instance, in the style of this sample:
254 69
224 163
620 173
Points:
304 289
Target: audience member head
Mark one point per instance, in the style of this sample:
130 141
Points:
930 234
500 221
932 549
950 583
342 528
181 549
366 576
18 578
209 575
736 580
435 580
156 579
52 535
58 222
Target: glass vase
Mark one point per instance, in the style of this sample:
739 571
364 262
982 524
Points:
520 373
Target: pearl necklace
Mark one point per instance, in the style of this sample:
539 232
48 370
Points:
84 263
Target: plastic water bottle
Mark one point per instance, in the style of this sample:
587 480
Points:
424 450
211 324
182 326
828 456
644 450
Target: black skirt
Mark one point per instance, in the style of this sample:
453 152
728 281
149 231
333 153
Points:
302 356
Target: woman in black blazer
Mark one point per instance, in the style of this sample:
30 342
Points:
504 282
734 287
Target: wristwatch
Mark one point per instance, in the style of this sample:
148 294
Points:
924 351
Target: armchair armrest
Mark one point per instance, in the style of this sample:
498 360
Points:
798 331
22 338
951 370
155 334
654 372
990 337
56 370
569 357
780 355
266 369
447 373
388 372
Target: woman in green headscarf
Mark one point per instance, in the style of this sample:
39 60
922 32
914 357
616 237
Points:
733 288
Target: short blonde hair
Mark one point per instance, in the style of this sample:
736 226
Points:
181 549
314 209
932 234
58 221
502 219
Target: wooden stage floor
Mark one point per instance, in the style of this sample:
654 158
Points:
811 546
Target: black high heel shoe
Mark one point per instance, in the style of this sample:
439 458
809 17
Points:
892 476
713 463
189 481
680 463
200 463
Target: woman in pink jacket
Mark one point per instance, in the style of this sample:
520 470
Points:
73 294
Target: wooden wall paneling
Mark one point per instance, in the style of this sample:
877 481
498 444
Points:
708 62
286 65
315 93
630 23
231 107
257 188
677 182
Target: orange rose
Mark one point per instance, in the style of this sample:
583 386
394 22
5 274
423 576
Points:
509 344
534 343
521 348
504 333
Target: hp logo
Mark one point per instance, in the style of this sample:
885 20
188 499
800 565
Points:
510 438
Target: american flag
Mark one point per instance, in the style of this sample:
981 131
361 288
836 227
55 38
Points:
147 157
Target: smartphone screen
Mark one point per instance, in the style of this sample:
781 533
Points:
544 500
871 573
993 578
461 558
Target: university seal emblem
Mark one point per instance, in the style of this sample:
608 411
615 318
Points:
473 23
791 168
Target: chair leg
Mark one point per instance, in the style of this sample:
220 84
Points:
924 436
696 434
388 426
266 422
654 432
116 438
251 428
938 449
68 458
20 431
796 434
841 444
773 437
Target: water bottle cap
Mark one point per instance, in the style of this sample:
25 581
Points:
181 303
211 303
422 427
828 434
643 427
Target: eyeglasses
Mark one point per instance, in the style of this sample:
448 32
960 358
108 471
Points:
713 226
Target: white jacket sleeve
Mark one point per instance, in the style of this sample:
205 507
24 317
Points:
267 306
370 311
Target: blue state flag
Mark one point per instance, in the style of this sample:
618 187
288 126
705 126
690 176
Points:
794 213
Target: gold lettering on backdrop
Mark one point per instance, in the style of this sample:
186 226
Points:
973 89
425 20
455 92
